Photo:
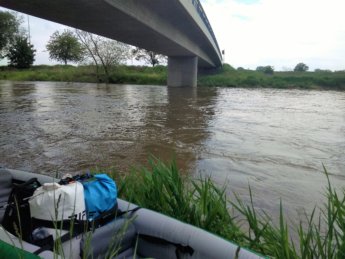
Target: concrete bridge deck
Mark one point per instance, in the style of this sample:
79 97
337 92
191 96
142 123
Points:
178 29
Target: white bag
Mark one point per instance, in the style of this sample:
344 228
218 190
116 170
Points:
67 200
54 202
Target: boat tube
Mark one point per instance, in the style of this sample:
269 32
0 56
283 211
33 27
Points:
140 233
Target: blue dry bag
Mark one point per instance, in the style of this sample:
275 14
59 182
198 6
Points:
100 194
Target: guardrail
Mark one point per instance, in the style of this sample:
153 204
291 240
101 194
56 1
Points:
204 18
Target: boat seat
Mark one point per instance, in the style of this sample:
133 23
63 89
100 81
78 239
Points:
117 237
5 190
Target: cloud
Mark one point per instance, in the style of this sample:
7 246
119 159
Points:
280 32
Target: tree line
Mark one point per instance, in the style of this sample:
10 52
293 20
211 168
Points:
300 67
74 46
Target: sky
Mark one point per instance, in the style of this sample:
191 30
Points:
280 33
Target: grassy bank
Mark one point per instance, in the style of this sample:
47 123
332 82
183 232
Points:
87 74
225 77
230 77
203 204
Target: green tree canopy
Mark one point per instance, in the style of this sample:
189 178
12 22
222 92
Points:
149 57
265 69
9 29
22 53
65 47
301 67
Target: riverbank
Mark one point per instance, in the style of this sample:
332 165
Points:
87 74
230 77
225 77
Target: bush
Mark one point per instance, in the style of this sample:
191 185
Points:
266 69
301 67
21 54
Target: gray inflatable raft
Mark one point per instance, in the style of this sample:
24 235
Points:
143 234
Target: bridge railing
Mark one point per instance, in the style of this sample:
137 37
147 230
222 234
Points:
204 18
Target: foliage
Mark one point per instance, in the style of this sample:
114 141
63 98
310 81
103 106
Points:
284 80
265 69
21 54
162 188
202 203
119 74
65 47
301 67
225 77
149 57
227 68
9 29
104 53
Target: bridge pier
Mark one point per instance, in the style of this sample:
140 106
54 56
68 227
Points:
182 71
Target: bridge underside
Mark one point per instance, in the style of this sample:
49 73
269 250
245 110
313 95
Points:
166 27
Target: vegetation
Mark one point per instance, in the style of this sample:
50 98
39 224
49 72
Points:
64 47
61 73
149 57
21 54
9 29
102 52
301 67
230 77
203 204
226 77
266 69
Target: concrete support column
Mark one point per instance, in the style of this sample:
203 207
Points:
182 71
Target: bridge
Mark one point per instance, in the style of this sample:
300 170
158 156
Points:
178 29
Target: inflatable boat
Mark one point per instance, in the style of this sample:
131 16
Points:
140 233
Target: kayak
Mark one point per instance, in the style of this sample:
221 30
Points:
140 233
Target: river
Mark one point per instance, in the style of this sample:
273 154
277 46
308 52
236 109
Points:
273 140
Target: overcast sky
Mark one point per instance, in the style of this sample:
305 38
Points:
253 33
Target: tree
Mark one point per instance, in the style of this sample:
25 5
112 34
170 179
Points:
9 29
149 57
265 69
301 67
65 47
22 53
103 52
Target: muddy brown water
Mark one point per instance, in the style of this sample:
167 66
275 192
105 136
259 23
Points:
273 140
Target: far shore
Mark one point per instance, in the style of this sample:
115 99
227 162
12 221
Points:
142 75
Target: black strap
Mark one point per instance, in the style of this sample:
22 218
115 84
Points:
121 213
180 249
79 226
105 217
60 224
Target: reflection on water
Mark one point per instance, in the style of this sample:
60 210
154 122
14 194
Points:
274 140
49 127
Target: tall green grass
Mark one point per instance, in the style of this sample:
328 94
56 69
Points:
200 202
